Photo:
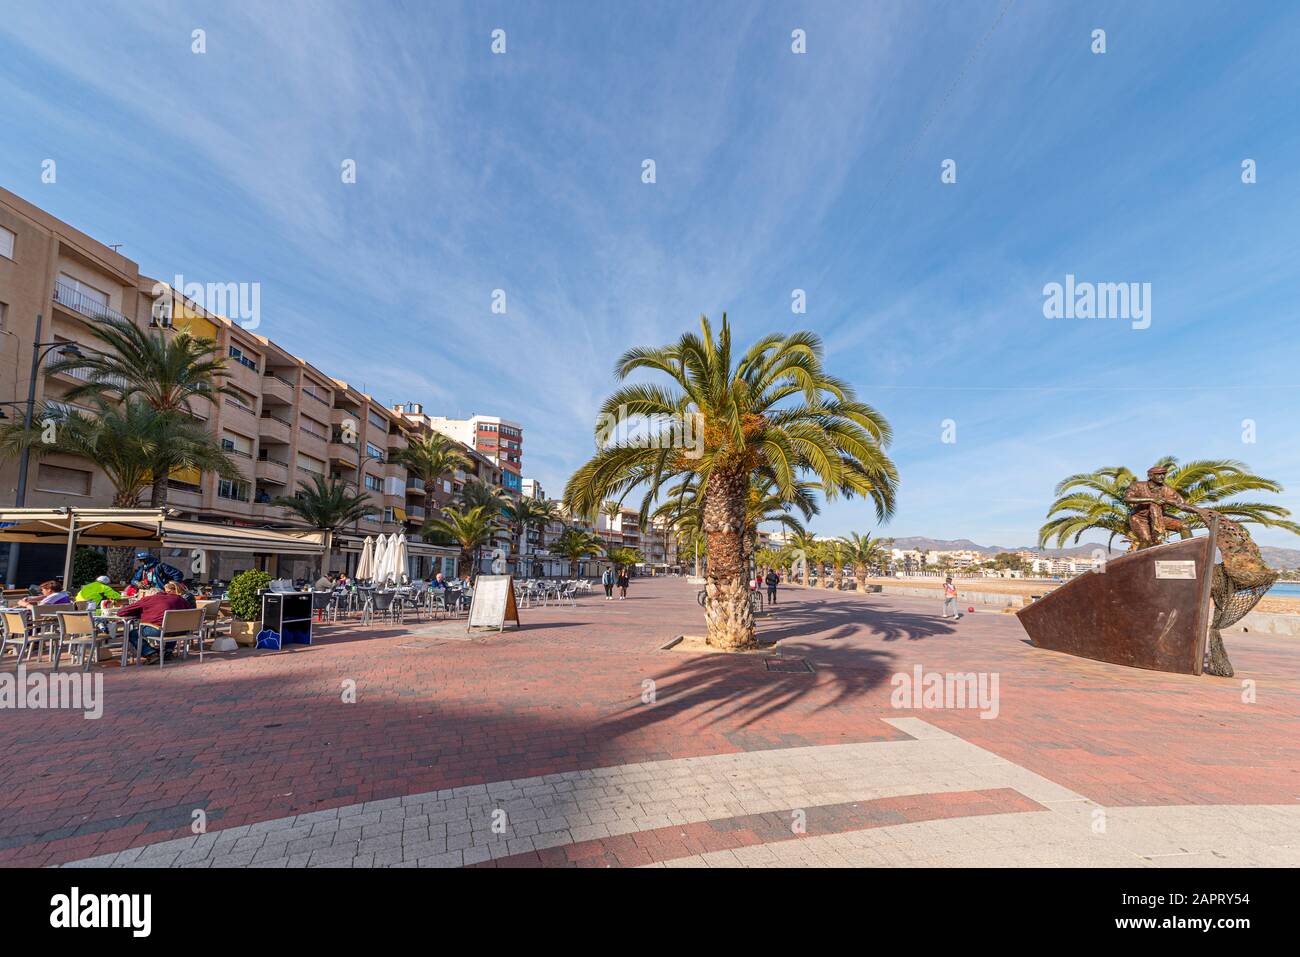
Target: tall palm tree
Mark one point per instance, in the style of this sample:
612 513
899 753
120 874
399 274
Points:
1095 500
429 458
327 504
575 544
772 411
625 557
470 528
164 368
864 553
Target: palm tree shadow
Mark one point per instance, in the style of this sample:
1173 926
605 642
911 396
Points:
817 620
740 690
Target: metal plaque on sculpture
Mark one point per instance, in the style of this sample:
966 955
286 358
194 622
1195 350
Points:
1180 570
493 603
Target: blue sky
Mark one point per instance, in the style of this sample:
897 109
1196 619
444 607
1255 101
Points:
775 172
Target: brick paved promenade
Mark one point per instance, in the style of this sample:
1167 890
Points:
536 748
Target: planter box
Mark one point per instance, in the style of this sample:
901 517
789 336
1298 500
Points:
245 632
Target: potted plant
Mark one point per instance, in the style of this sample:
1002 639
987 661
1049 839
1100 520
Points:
245 596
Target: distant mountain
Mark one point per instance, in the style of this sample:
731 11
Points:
1274 556
965 544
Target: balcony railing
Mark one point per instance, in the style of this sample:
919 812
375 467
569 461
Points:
415 483
111 382
66 295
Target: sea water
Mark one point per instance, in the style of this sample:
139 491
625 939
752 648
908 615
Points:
1285 588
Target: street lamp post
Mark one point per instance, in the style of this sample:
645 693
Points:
39 351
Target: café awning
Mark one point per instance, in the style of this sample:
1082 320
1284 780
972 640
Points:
145 528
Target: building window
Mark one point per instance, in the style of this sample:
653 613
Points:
7 243
374 451
247 362
4 308
374 483
237 491
56 478
378 421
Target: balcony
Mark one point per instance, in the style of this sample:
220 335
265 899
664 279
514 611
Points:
415 486
342 453
272 428
278 390
273 471
78 302
81 375
415 514
229 404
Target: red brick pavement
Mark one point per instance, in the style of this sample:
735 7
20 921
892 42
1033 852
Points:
264 735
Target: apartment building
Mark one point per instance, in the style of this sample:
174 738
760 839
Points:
284 422
499 439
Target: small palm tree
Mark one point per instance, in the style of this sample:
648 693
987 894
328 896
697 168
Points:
864 553
429 458
625 557
1095 500
165 369
525 513
773 412
803 548
327 505
575 544
470 528
476 493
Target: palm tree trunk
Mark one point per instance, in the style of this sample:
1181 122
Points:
158 494
121 562
728 615
837 570
469 564
860 573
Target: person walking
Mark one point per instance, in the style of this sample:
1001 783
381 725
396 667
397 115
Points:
607 579
772 580
622 583
950 599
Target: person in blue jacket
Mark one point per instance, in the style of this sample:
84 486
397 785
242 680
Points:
152 573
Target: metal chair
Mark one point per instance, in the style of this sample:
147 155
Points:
182 626
77 630
18 629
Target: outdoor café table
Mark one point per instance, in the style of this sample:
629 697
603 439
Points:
115 623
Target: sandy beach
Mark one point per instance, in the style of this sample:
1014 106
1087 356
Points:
1282 605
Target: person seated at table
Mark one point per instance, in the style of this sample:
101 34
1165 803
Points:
50 594
183 590
98 591
438 582
323 583
150 610
154 573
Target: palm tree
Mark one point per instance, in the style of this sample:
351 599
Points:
131 441
327 504
864 553
525 513
165 369
624 557
429 458
773 412
575 544
803 548
471 529
1095 500
476 493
